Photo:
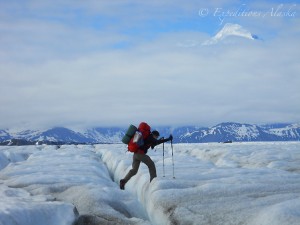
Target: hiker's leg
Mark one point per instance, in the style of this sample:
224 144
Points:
151 166
135 167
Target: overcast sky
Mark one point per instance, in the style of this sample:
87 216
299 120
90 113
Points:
96 63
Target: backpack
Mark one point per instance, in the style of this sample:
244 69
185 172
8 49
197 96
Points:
129 134
137 140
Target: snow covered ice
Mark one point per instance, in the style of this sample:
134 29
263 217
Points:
238 183
65 177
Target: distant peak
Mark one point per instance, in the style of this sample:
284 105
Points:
230 30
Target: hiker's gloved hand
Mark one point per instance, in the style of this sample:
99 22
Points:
170 137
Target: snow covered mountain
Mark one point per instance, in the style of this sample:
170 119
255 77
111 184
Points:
105 135
230 30
223 132
234 132
4 135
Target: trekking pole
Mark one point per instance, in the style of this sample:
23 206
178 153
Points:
172 159
163 159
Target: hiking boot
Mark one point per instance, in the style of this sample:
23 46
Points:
122 184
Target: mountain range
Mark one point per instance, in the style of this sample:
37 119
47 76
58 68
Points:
223 132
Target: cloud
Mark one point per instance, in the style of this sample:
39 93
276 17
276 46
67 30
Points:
54 72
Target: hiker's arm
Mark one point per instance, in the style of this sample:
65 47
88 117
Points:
163 140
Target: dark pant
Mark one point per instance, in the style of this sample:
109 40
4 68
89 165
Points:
137 159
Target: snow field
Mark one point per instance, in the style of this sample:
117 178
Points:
228 184
61 179
239 183
20 153
18 206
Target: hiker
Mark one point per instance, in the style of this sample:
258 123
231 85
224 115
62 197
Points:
140 156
